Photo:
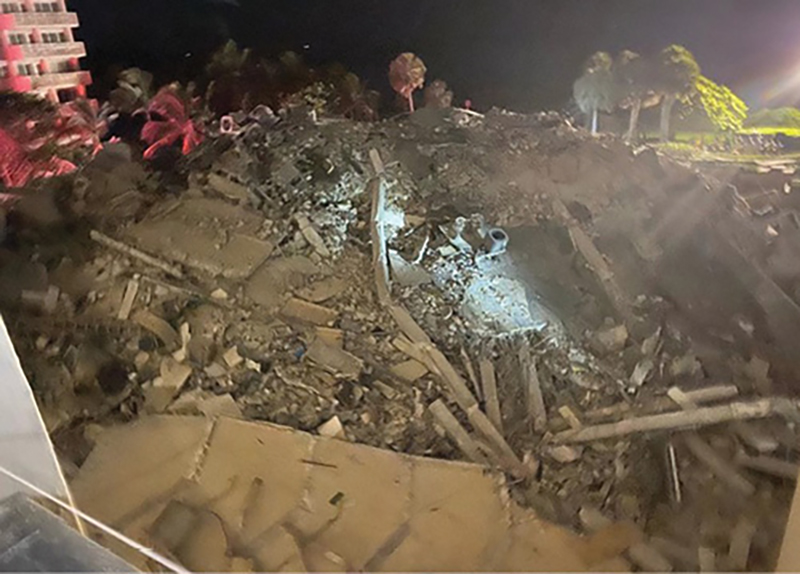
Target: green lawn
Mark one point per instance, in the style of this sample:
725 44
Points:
791 132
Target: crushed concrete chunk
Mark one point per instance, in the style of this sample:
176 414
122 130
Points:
409 371
209 235
228 188
321 291
173 374
332 428
272 281
232 357
334 359
158 327
309 312
612 340
312 236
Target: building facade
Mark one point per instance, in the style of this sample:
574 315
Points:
38 53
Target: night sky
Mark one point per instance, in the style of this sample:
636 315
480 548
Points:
521 54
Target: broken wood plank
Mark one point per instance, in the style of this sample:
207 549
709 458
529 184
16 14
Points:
533 389
768 465
720 467
380 260
643 554
489 381
707 559
409 326
680 399
595 261
408 348
312 236
409 371
648 558
106 241
684 558
470 370
131 290
671 421
741 540
568 415
756 438
439 364
661 404
377 162
456 432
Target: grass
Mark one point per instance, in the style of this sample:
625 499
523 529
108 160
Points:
791 132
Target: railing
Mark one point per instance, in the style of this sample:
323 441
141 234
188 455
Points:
80 78
24 19
45 50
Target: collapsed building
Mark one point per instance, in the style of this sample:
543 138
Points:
610 329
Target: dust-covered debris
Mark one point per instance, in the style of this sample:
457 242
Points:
563 265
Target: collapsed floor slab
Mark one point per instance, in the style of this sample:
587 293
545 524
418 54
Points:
289 500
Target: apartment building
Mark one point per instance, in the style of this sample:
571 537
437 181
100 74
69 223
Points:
38 52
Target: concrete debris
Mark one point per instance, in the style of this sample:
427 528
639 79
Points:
331 429
563 454
308 312
409 371
769 465
612 340
325 274
232 358
721 468
338 362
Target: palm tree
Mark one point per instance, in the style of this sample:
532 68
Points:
675 76
632 83
594 90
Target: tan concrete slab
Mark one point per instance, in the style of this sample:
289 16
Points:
271 283
457 517
139 465
253 475
290 501
363 495
206 234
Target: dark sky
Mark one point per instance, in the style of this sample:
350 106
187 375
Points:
522 54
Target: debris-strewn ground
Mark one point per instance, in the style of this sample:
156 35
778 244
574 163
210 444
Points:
589 277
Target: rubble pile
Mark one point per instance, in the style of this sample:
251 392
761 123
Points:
499 288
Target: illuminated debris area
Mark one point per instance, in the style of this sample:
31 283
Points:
567 281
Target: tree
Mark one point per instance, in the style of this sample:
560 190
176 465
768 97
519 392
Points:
594 90
407 74
437 96
774 118
675 76
170 122
726 111
632 83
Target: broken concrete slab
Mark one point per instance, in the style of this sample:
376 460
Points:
409 370
209 235
274 488
334 359
229 188
272 281
306 312
321 291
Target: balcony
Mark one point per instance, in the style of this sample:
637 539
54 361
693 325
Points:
65 79
42 50
44 19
